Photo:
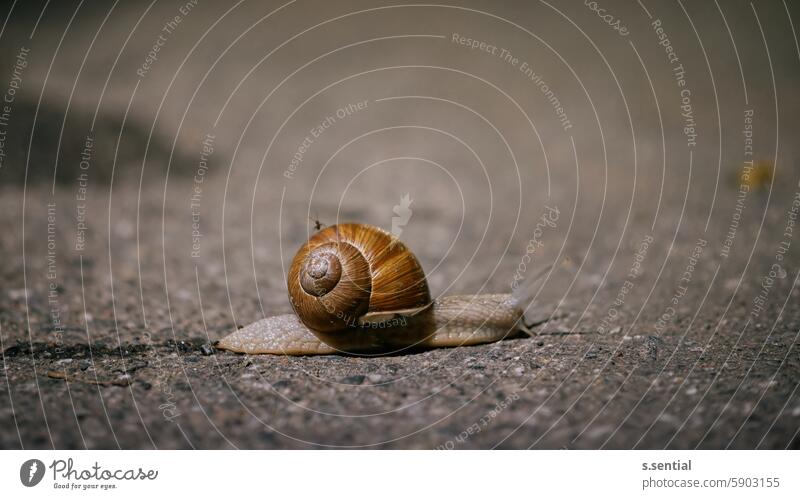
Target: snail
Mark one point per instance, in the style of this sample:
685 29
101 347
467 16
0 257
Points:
356 289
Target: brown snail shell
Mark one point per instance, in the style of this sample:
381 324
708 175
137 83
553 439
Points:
347 271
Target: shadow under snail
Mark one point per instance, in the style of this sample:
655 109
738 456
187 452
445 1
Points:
357 289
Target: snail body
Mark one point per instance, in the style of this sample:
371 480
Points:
355 289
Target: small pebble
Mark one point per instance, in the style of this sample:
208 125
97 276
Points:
668 418
282 384
354 380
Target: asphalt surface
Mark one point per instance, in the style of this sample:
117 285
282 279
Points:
675 325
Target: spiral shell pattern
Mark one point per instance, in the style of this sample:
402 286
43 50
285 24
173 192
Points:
345 271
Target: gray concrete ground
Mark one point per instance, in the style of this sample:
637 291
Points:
678 326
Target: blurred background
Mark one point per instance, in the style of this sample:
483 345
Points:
162 162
